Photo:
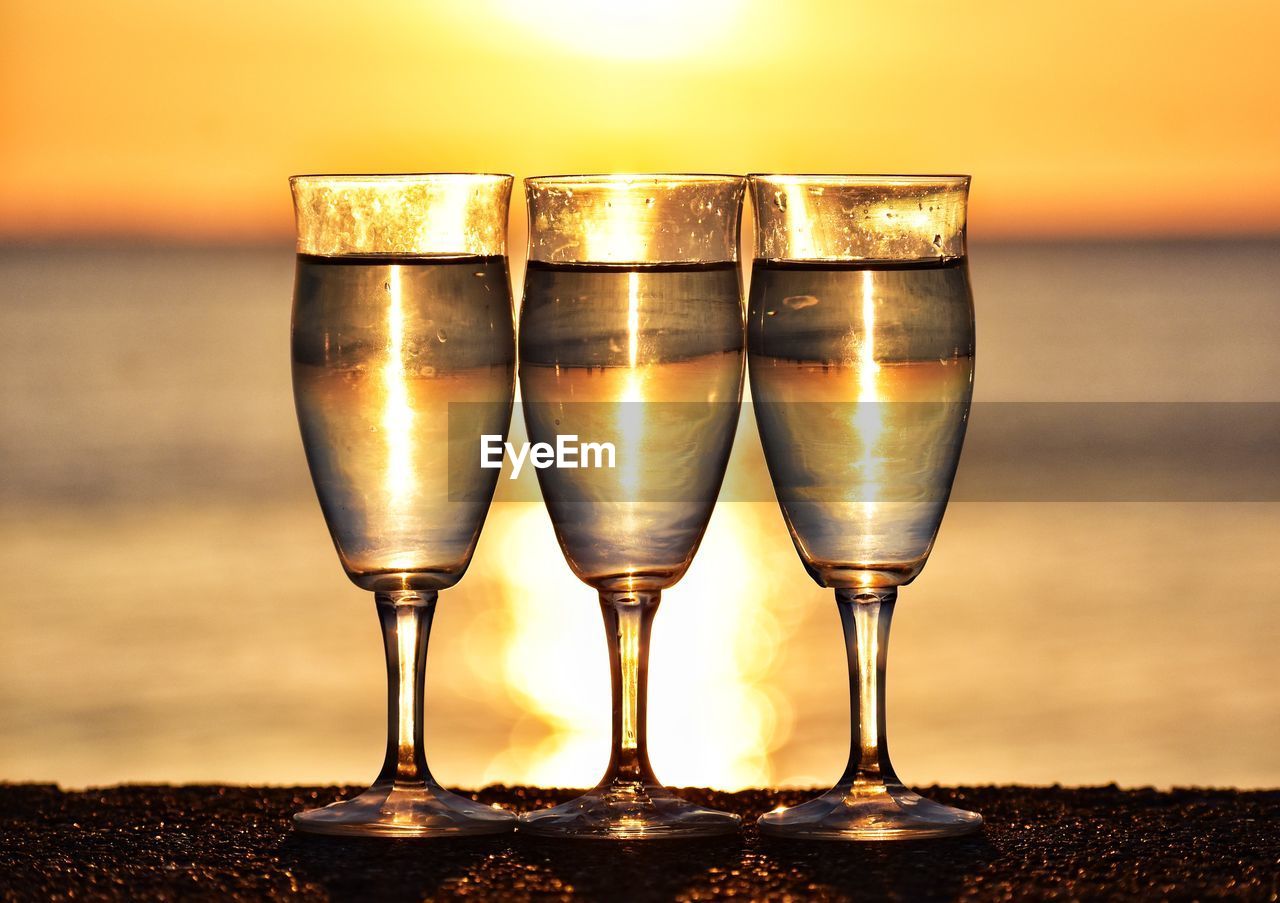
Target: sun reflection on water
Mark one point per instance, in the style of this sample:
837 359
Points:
714 715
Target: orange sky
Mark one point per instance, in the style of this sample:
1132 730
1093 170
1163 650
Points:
183 120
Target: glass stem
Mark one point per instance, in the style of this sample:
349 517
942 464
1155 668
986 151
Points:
865 615
628 619
406 626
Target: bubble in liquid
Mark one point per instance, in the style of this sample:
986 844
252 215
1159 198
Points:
441 337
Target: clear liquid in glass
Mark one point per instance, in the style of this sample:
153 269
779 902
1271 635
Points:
381 348
648 358
861 377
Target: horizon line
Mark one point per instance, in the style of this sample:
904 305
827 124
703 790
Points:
145 240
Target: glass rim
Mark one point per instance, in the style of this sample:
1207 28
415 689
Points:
603 179
405 177
800 178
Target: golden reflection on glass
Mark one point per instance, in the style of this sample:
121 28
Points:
792 196
633 324
866 357
629 652
407 714
398 415
847 218
412 215
402 318
870 739
869 414
631 422
860 338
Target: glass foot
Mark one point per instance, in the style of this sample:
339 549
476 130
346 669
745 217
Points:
629 811
385 810
869 812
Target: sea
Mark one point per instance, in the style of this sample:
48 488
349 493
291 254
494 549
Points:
1102 603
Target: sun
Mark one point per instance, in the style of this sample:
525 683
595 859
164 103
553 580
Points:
653 29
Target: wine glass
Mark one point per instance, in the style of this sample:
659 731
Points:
860 348
403 345
631 335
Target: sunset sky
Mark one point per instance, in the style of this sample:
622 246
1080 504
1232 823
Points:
179 120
